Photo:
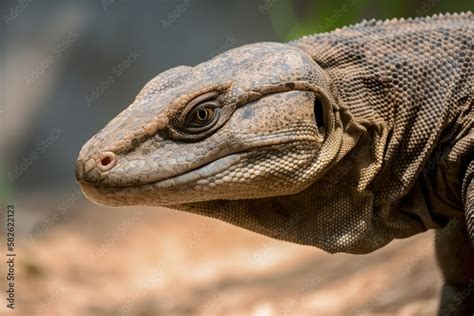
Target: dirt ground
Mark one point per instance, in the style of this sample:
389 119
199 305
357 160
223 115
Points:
77 258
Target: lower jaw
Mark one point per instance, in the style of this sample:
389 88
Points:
125 197
172 191
173 198
149 194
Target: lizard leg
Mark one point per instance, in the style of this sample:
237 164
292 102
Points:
456 260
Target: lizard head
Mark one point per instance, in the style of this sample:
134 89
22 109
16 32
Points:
249 123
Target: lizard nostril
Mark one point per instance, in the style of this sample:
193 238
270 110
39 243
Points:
107 160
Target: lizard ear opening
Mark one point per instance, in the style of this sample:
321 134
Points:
319 113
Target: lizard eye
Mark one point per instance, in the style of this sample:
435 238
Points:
203 117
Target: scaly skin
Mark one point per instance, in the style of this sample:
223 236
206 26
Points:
159 162
343 140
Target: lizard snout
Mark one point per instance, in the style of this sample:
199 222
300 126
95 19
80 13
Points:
92 169
79 170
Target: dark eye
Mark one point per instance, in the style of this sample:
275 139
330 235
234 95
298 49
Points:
203 117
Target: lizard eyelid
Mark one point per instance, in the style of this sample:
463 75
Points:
199 99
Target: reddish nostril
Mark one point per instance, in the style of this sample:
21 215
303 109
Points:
107 160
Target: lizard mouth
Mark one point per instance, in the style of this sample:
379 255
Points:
117 194
187 177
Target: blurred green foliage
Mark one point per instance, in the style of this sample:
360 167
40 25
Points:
292 19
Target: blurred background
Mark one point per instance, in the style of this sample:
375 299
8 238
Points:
66 68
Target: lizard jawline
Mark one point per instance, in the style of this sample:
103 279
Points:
101 194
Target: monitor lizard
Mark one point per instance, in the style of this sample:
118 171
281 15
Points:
342 140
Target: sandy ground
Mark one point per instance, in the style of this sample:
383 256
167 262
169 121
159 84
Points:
84 260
